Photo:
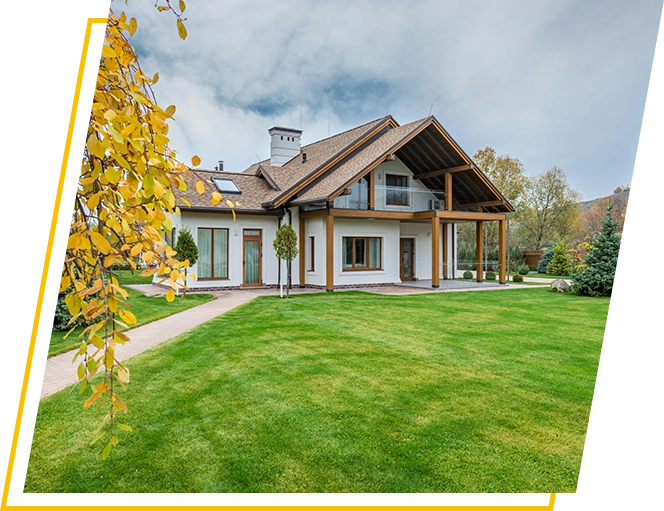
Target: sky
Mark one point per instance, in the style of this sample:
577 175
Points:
552 83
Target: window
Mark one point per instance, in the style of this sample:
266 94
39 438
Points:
359 195
212 253
361 253
312 253
396 190
226 185
171 237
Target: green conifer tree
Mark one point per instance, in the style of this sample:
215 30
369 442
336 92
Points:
186 250
561 264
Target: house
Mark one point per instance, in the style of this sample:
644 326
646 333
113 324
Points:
374 205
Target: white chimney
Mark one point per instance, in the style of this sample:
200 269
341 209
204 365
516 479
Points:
284 145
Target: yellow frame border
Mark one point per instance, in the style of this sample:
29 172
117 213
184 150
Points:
39 304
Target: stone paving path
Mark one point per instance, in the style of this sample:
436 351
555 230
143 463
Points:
61 372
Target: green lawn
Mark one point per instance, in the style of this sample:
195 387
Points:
127 277
146 309
347 392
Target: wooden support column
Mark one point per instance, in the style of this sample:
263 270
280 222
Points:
502 251
448 207
329 253
435 252
479 252
302 253
446 249
448 191
372 190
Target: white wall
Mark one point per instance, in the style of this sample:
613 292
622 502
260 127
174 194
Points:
315 227
419 195
268 226
391 231
388 230
421 232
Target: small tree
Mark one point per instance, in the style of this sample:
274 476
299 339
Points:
545 259
560 264
285 244
596 278
186 251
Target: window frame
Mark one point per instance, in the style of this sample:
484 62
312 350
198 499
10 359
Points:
170 238
395 189
228 238
217 182
367 241
312 253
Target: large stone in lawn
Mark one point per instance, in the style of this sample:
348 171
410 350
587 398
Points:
560 285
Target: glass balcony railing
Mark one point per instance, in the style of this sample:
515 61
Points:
392 198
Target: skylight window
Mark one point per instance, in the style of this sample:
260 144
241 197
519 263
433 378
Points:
226 185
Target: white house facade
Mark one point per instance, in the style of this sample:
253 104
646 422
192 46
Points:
375 205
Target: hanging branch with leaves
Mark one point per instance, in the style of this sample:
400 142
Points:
127 189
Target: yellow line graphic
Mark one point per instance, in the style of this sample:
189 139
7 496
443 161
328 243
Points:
47 258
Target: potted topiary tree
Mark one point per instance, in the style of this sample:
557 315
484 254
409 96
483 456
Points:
285 245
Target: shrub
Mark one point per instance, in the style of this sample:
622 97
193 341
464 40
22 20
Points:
517 277
545 259
578 253
490 275
524 269
467 275
561 264
532 267
516 256
596 278
186 251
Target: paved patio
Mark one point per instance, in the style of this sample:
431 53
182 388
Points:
448 284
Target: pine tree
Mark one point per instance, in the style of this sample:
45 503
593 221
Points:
545 259
596 278
186 251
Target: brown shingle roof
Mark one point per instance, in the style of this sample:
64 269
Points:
335 162
255 191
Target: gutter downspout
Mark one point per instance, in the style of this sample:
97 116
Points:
278 260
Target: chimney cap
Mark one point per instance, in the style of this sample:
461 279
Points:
281 128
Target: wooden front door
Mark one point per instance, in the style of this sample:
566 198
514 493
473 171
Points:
252 257
407 259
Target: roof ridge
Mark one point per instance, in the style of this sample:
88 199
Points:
384 118
351 129
221 172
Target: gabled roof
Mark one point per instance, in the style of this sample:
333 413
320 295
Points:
352 169
425 148
335 163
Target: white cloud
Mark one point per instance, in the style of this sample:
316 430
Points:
551 82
